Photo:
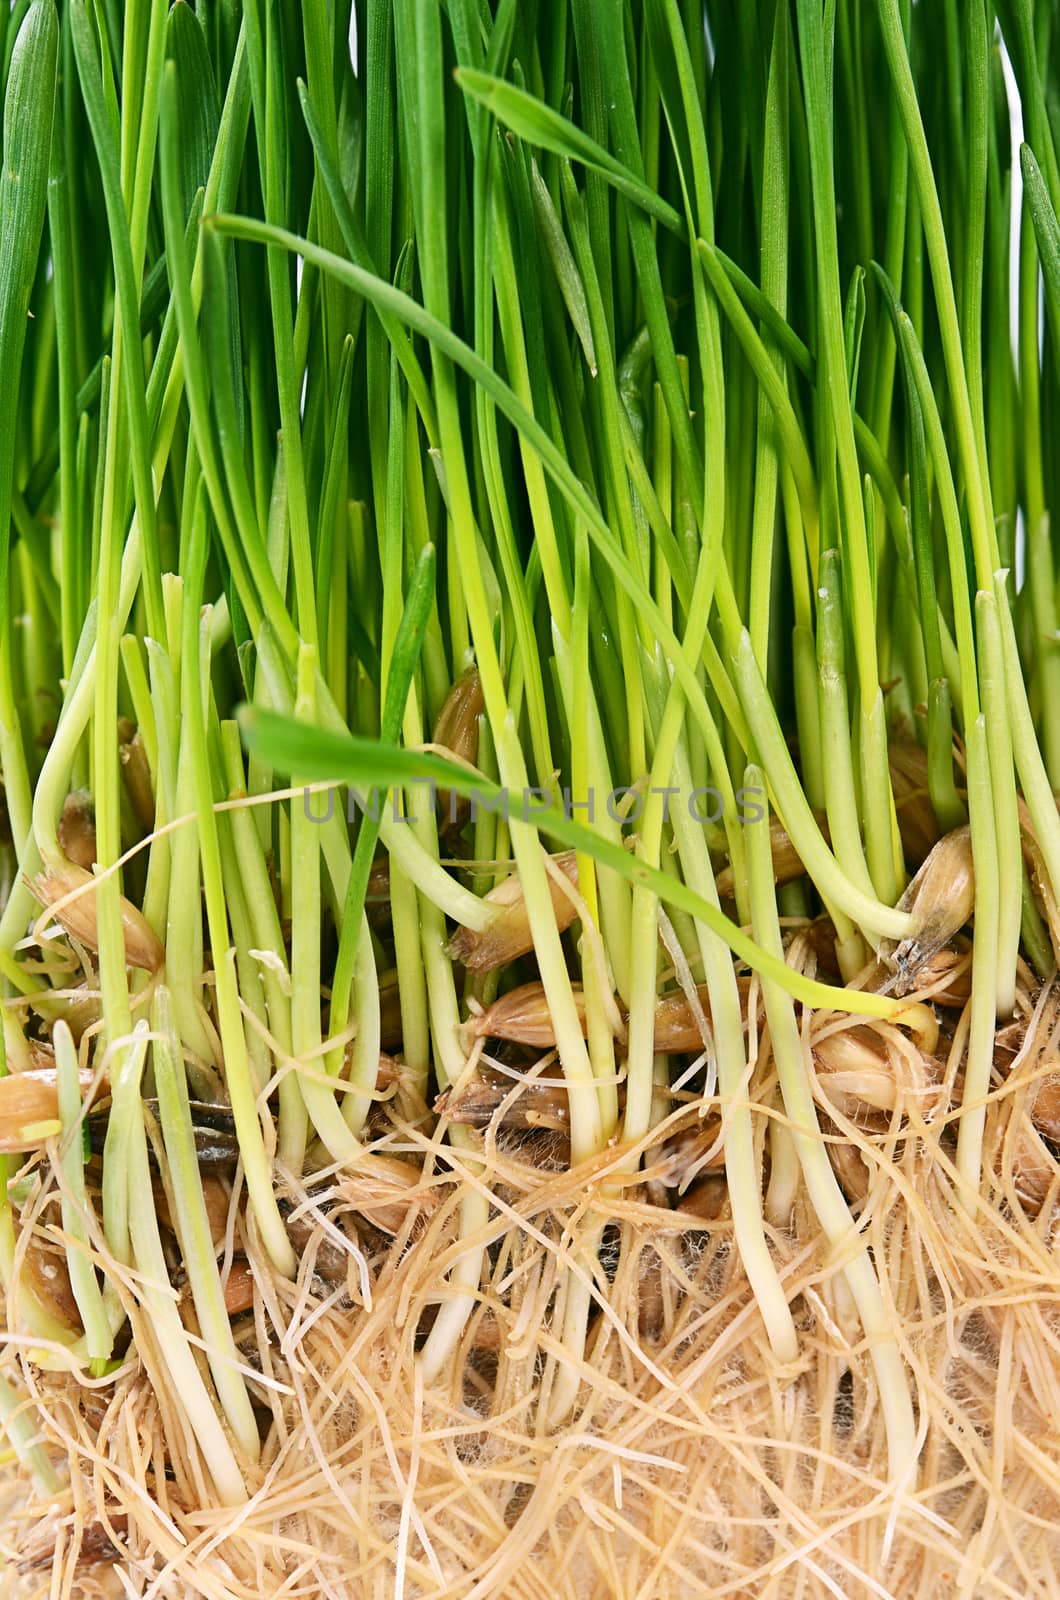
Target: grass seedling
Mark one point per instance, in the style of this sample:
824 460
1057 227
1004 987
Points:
528 849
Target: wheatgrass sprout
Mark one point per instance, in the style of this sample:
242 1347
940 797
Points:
529 851
827 1200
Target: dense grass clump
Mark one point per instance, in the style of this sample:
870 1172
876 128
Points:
530 735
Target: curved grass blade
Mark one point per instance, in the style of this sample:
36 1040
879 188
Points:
320 755
539 125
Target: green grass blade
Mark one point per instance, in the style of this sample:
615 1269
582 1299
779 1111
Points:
322 756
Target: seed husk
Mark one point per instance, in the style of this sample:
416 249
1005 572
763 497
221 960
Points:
377 894
858 1074
1013 1141
70 894
944 979
787 863
475 1103
917 824
214 1131
650 1300
96 1548
384 1189
330 1260
239 1287
29 1108
693 1151
77 829
677 1028
508 936
50 1280
79 1008
137 775
941 900
1045 1106
389 1072
522 1017
1033 1033
456 729
390 1028
1039 876
215 1197
850 1168
707 1198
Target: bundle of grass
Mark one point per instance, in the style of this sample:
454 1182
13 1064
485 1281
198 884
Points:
529 733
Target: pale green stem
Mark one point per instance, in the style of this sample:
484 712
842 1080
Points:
980 1059
825 1194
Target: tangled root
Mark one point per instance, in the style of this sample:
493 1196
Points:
691 1464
